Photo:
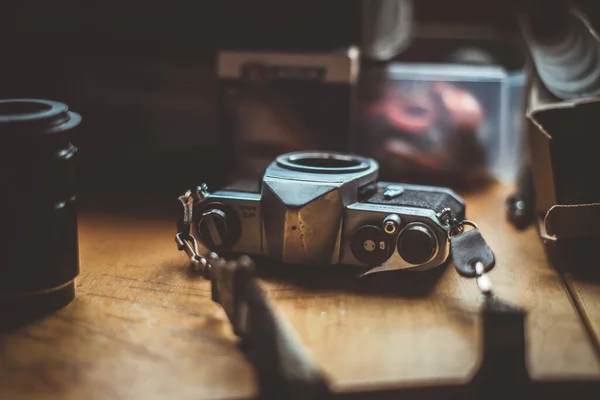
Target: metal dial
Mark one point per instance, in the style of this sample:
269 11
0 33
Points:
213 228
417 244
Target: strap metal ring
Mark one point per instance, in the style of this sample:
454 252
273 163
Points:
458 229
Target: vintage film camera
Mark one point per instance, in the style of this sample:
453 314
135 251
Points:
328 208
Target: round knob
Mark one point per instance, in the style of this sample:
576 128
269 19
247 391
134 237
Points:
213 228
391 224
371 245
417 244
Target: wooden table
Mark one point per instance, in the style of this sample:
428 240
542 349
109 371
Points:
142 327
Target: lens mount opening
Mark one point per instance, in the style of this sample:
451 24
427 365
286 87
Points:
21 109
323 162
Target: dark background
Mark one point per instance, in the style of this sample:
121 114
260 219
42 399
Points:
142 72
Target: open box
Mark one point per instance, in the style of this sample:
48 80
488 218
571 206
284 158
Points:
564 142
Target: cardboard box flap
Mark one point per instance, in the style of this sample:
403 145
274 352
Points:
545 110
569 221
564 144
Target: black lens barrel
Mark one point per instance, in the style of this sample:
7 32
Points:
39 257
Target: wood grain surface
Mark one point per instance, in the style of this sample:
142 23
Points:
587 296
141 327
412 329
583 282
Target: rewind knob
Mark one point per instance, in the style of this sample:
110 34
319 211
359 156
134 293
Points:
214 228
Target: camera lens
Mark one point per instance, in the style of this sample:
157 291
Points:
39 255
417 244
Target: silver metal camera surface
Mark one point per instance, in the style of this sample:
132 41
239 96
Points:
328 208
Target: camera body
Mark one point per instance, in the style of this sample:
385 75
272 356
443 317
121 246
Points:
328 208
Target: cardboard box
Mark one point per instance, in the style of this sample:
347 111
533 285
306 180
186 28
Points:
277 102
564 143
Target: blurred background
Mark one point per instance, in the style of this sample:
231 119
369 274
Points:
435 89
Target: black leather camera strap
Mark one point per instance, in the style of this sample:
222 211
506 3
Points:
471 255
469 250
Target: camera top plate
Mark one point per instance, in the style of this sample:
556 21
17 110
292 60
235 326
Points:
322 166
